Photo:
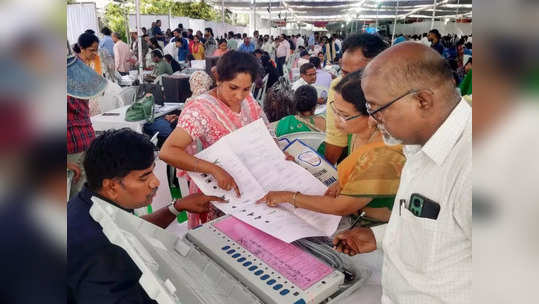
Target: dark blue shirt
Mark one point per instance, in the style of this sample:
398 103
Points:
438 47
97 270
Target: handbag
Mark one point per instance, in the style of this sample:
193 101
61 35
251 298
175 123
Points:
141 109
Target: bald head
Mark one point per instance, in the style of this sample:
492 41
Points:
411 65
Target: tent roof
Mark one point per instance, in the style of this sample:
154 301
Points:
335 10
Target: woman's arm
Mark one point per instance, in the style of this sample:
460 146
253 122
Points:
340 205
173 153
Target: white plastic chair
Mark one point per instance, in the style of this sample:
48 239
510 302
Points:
128 95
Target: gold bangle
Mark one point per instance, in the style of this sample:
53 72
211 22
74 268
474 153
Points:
294 199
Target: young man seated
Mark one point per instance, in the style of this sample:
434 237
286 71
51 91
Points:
119 166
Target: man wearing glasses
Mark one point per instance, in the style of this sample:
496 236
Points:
427 244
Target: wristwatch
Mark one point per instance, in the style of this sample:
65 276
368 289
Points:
173 209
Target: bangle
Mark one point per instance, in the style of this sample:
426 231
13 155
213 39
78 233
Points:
294 199
173 209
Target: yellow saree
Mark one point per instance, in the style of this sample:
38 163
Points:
373 170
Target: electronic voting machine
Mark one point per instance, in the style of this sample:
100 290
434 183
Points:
224 261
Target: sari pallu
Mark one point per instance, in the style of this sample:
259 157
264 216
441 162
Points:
372 170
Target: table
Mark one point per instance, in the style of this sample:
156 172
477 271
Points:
371 291
102 123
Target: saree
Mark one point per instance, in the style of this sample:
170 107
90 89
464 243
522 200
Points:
372 170
294 123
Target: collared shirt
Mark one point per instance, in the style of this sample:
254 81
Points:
438 47
232 44
161 68
80 133
107 44
247 48
283 50
427 260
171 50
98 271
298 83
334 136
269 47
121 56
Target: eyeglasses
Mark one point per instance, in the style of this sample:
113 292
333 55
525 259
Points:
387 105
344 119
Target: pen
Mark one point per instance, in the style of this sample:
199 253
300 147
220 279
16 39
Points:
356 221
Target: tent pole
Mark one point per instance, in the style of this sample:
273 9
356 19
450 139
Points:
223 11
139 38
433 14
395 23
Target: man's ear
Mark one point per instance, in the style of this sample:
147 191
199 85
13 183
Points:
109 189
425 100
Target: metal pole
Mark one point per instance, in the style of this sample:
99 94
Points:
170 17
254 15
395 23
223 11
139 38
433 14
127 26
271 22
377 9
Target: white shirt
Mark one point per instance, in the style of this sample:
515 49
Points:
338 43
283 50
172 50
425 260
300 41
425 41
323 78
298 83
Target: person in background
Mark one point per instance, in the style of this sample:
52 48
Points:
256 36
183 50
210 45
211 116
239 40
82 84
368 179
106 43
400 38
269 69
279 101
232 43
322 58
200 37
307 76
303 58
176 35
466 83
199 82
338 41
358 50
86 50
330 50
173 63
173 48
222 49
168 36
300 41
121 55
323 78
161 66
157 33
119 166
425 39
427 115
305 101
144 31
247 46
268 46
197 49
435 40
282 53
190 34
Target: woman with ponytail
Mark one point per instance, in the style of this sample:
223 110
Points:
86 49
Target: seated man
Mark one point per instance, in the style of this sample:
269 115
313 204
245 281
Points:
119 166
161 66
308 76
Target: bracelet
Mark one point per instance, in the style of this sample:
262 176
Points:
294 199
173 209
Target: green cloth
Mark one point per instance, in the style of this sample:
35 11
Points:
232 44
466 84
161 68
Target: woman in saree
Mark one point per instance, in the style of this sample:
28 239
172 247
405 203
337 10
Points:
368 178
305 120
210 116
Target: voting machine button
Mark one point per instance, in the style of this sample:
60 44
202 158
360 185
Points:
247 263
226 247
259 272
277 287
241 259
252 268
284 292
264 277
271 282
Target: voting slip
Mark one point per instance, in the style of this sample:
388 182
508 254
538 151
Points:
253 159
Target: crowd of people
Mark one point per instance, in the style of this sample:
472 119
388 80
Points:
396 127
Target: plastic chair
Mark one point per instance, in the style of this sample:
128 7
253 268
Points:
262 92
128 95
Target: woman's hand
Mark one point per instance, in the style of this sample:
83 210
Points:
334 190
76 171
224 180
274 198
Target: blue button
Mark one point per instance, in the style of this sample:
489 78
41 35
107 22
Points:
237 255
300 301
259 272
271 282
264 277
226 247
247 264
252 268
284 292
277 287
241 259
231 251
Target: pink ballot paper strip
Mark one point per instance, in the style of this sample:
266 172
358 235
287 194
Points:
298 266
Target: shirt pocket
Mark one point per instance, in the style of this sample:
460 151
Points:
416 239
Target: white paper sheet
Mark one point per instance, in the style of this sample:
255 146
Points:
258 166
